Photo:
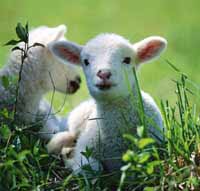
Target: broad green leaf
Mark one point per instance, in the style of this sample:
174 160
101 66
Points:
131 138
26 27
140 131
145 142
143 157
5 132
21 32
149 189
150 168
4 112
155 163
12 42
22 155
128 156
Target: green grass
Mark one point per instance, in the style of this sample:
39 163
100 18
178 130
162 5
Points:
24 162
172 165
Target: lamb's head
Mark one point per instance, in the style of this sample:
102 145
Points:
56 74
108 61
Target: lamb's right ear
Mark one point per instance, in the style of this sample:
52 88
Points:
67 51
148 49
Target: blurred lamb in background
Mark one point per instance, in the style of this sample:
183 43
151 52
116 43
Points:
42 73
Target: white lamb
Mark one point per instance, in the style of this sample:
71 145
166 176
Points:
99 123
42 72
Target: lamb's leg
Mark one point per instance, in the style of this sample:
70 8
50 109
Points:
61 140
75 124
51 122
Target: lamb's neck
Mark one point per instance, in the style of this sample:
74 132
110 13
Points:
119 113
29 97
32 84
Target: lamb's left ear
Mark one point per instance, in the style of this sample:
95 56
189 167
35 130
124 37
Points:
66 51
149 48
58 32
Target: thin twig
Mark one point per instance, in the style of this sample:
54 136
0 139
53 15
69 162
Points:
24 53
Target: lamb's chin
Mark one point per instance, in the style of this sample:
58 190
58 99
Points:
103 94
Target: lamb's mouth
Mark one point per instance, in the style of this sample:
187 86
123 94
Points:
104 86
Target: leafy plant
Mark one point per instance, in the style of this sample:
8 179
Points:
23 35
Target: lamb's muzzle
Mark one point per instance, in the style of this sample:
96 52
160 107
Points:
74 85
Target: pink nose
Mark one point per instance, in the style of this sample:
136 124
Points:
104 74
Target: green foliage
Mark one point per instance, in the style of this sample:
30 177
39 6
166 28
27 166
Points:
142 161
22 34
173 165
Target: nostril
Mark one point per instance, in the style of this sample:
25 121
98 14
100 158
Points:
104 74
108 75
78 78
74 85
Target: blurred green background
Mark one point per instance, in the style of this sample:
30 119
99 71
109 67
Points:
176 20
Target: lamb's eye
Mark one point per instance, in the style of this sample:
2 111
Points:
86 62
127 60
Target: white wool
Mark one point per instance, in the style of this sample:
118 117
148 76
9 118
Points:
41 72
100 123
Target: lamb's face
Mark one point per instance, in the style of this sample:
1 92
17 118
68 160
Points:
64 78
108 61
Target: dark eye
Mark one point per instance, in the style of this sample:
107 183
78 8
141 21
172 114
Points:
86 62
127 60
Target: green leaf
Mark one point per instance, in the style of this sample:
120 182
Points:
4 113
21 33
143 157
5 81
12 42
26 27
22 155
36 148
131 138
125 167
87 153
150 168
170 64
149 188
128 156
155 163
5 132
87 168
145 142
140 131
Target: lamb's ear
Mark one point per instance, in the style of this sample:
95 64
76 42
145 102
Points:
149 48
59 32
67 51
